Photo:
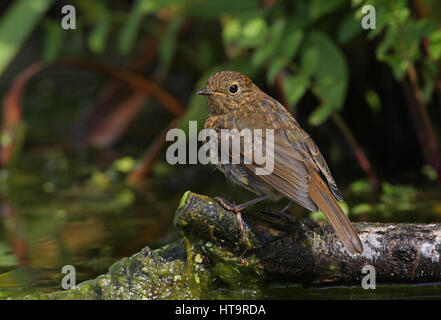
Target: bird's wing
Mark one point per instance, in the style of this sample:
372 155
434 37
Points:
316 156
289 174
296 136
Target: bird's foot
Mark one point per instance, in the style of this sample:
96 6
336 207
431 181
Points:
232 207
238 208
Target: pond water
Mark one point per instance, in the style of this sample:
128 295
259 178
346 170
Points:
89 218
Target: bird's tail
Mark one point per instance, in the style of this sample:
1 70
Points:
325 201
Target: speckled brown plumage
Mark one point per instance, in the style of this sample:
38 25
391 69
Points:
300 171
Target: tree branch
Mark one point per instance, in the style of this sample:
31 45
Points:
303 251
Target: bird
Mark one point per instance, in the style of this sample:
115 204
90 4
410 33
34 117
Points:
299 173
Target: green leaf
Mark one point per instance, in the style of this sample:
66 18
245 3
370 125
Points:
168 44
331 74
320 115
361 186
319 216
261 55
130 30
429 172
269 49
309 61
253 33
373 100
294 88
17 24
213 9
413 32
124 164
291 44
53 40
410 33
98 38
435 44
388 41
362 208
231 31
348 29
398 65
276 65
319 8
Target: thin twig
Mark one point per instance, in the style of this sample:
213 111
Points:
135 80
150 156
428 140
359 153
12 111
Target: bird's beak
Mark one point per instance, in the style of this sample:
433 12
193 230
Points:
206 92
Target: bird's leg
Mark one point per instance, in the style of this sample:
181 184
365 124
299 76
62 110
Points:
286 208
238 208
284 211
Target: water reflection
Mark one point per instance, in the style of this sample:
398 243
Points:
36 240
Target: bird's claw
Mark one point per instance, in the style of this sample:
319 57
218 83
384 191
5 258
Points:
231 207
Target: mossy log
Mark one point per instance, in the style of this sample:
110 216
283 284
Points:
215 253
303 251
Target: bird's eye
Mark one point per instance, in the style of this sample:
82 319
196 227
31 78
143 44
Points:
234 88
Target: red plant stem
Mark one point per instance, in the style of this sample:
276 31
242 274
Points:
12 102
150 156
425 44
110 129
359 153
425 132
278 81
438 87
15 232
135 80
12 110
141 61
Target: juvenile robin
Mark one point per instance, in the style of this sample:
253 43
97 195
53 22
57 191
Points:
299 173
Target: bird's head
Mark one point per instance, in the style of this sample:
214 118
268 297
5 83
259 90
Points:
227 91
